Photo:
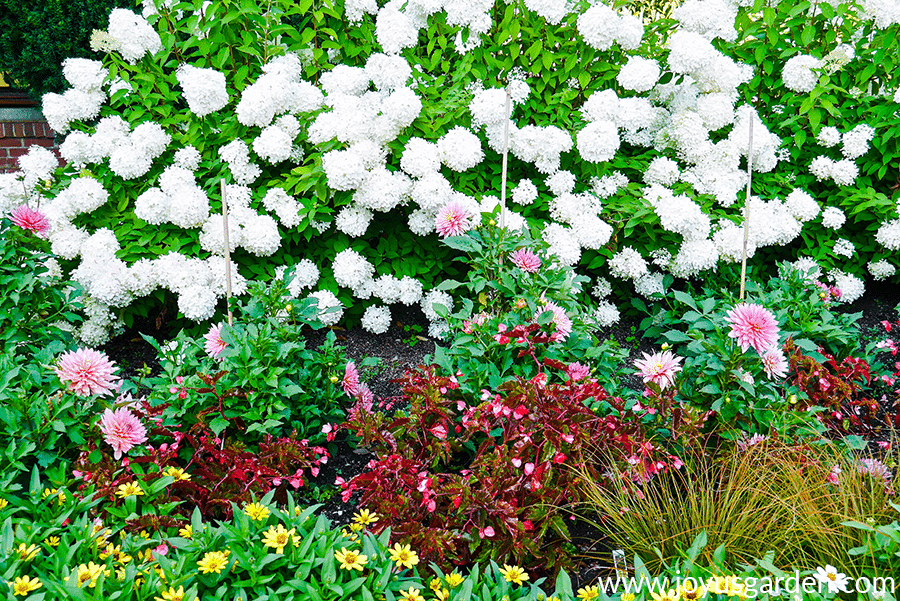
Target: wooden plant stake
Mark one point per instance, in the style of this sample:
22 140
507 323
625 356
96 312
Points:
227 254
747 210
505 153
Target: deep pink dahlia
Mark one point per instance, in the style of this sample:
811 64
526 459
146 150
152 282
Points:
659 368
122 430
453 219
753 325
214 342
27 218
525 260
87 371
350 383
775 363
560 320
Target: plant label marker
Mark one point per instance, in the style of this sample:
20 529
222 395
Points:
227 253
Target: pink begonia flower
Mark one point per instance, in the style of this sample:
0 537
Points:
28 219
439 431
516 462
833 475
775 363
525 260
214 343
87 371
753 325
350 383
529 469
577 371
659 368
122 430
487 532
453 219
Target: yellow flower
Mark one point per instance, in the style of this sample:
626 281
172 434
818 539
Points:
513 574
279 538
186 532
356 527
3 503
143 533
297 511
364 517
130 489
172 594
665 595
53 541
27 552
627 597
718 585
736 588
555 598
349 535
689 591
177 473
47 492
454 580
442 594
588 593
403 556
435 584
412 595
351 560
24 585
213 561
257 512
89 574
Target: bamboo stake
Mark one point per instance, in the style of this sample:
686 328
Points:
747 209
505 158
227 254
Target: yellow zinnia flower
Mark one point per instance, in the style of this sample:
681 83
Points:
89 573
172 594
52 541
513 574
177 473
213 561
351 560
403 556
665 595
130 489
588 593
690 591
3 503
442 594
257 512
365 517
279 538
27 552
412 594
435 584
718 585
186 532
23 585
454 580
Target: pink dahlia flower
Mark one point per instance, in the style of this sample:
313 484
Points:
577 371
525 260
775 363
122 430
453 219
214 342
659 368
560 320
27 218
753 325
87 371
350 383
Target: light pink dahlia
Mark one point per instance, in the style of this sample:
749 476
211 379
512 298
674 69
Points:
560 320
350 383
753 325
453 219
775 363
122 430
87 371
577 371
214 342
659 368
525 260
27 218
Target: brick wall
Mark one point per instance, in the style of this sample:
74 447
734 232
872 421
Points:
17 136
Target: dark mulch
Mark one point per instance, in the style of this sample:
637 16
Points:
405 346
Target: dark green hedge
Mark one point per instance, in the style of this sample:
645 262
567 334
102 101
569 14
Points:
37 35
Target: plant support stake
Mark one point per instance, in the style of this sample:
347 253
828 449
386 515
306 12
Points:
503 168
227 254
747 209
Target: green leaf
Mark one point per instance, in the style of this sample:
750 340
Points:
218 424
463 243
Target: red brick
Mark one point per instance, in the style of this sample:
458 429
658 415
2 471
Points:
17 152
39 141
11 142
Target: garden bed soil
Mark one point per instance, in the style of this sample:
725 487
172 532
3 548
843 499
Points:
406 346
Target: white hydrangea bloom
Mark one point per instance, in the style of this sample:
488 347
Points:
525 192
237 155
275 142
212 234
601 106
844 248
261 236
376 319
37 165
710 18
562 242
598 142
606 314
882 269
204 89
844 172
187 158
599 26
833 218
592 232
66 240
344 169
420 158
74 105
561 182
283 205
690 52
460 149
628 264
435 297
829 136
639 74
888 234
602 288
856 141
84 74
351 269
608 185
388 72
798 74
801 205
326 300
305 275
662 170
693 257
649 284
134 36
353 220
409 290
851 287
395 30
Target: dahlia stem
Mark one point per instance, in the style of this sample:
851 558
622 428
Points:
227 254
747 210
